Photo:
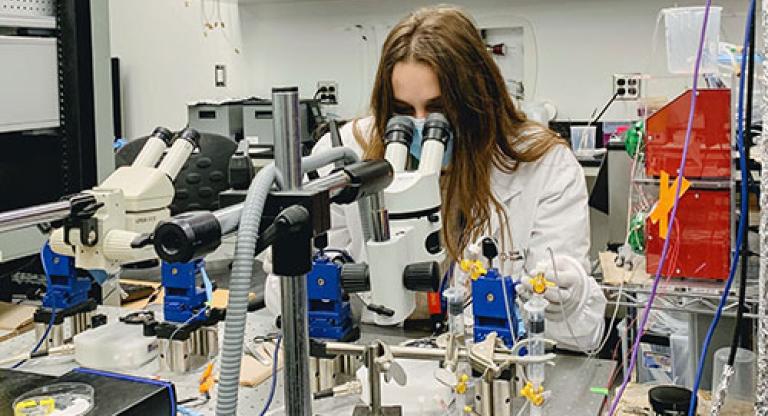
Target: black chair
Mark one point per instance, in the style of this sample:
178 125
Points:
201 179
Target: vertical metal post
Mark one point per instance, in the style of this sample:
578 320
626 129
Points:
285 113
297 392
379 217
374 378
761 402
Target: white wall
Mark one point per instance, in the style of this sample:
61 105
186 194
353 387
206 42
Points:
166 60
580 44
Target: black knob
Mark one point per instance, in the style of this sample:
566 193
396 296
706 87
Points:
190 135
490 250
381 310
240 171
321 241
422 277
163 134
355 277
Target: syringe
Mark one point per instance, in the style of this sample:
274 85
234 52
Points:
454 297
535 308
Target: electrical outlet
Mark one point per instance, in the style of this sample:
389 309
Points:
220 75
327 92
627 87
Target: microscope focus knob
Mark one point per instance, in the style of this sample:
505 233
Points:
355 277
422 277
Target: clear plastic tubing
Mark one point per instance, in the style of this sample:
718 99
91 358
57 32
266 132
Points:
535 307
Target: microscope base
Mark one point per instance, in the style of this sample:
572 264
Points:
385 411
187 350
67 323
326 373
494 398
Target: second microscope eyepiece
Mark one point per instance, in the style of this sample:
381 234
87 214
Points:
437 127
191 135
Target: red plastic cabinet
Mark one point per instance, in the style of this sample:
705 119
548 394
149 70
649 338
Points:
709 154
701 237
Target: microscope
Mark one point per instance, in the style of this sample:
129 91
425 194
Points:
128 204
95 232
405 251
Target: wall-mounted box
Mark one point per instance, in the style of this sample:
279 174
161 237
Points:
29 83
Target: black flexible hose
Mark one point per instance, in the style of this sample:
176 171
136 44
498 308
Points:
739 330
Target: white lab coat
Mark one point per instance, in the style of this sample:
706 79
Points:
546 206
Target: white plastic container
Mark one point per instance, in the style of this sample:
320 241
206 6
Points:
683 32
742 385
115 346
583 137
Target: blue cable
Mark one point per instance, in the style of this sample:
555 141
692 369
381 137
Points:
274 378
742 218
50 321
207 283
185 411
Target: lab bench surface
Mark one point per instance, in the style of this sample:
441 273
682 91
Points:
570 379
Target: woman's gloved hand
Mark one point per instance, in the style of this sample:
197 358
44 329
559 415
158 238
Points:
567 293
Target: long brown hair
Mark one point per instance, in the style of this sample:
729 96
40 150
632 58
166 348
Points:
489 131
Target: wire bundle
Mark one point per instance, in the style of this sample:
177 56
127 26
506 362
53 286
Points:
739 241
673 215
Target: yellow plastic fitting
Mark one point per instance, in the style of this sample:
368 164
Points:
473 267
206 380
535 395
47 405
461 387
539 283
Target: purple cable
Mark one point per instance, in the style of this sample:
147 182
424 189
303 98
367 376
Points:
665 249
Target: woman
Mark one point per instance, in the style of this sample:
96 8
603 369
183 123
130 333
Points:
504 176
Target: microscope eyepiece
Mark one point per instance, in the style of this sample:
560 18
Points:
399 129
437 127
190 135
163 134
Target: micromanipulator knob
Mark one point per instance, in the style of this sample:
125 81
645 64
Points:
422 277
355 277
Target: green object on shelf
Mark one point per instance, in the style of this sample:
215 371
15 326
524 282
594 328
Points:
632 137
637 233
599 390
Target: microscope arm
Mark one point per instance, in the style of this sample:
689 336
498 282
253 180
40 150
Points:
195 234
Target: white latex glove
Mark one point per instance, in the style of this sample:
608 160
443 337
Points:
564 298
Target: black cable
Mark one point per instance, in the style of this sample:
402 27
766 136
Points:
188 400
739 330
344 254
319 91
607 105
